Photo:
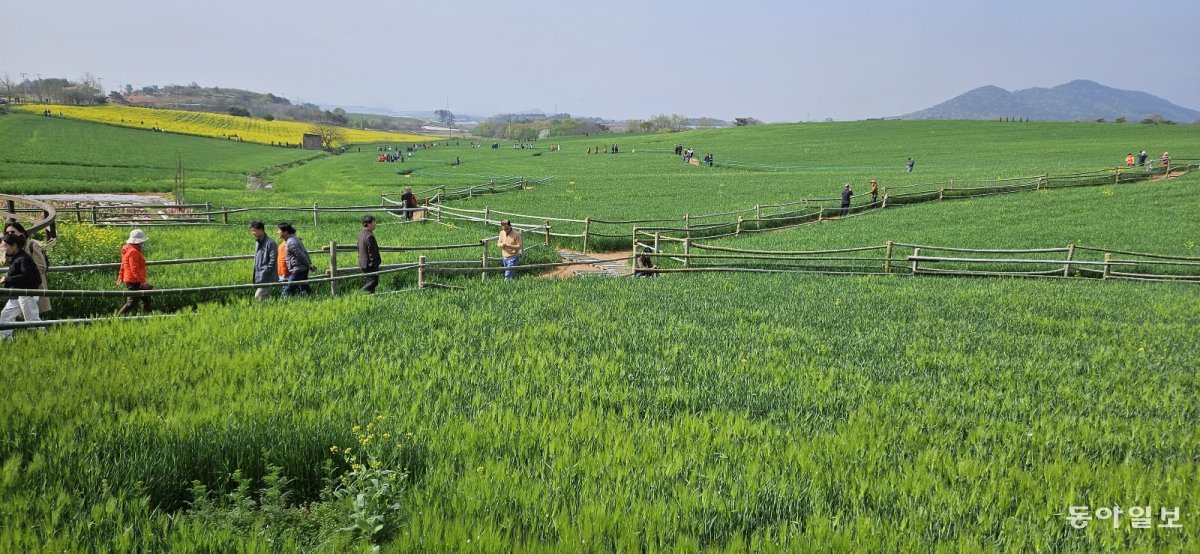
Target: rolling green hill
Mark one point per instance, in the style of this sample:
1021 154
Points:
730 412
53 155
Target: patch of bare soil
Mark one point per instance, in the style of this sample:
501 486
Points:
593 263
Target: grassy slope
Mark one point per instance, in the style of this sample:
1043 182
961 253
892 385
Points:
53 155
1145 217
913 413
205 124
891 414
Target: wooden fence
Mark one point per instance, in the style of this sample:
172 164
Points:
895 258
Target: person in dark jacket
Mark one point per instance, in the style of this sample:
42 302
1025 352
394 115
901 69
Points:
264 260
846 194
644 266
35 251
368 254
293 263
410 203
22 274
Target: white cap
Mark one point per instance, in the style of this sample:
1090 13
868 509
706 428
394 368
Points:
137 236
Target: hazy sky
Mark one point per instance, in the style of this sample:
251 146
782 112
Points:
774 60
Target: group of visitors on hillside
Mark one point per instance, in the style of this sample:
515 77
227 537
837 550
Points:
287 261
1164 161
687 154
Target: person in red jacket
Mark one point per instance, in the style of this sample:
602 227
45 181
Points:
133 271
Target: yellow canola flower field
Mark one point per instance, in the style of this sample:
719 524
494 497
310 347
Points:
208 124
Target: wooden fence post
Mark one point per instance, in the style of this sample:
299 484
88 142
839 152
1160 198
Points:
314 214
941 193
1107 267
820 213
656 242
225 214
916 252
78 215
441 194
421 272
687 253
1070 256
885 198
635 241
1118 177
93 214
483 243
547 222
687 225
887 262
587 229
439 212
208 211
333 285
487 215
757 213
737 231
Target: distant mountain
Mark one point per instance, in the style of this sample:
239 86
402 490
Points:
1074 101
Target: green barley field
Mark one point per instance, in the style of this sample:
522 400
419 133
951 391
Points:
688 412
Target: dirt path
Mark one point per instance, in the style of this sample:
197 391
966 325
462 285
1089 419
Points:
597 263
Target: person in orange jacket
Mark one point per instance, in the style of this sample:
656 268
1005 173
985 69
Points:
133 271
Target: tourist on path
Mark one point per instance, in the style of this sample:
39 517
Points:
293 263
133 271
38 254
644 265
410 203
264 260
910 164
510 244
846 194
1129 160
874 190
368 254
22 274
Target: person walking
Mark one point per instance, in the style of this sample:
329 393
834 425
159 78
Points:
510 248
1141 158
1166 160
1129 160
644 265
264 260
846 194
368 254
874 190
22 274
293 263
410 203
133 271
910 163
38 254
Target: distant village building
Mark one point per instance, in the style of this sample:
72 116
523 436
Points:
311 142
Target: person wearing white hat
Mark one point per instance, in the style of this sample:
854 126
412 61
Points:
133 271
